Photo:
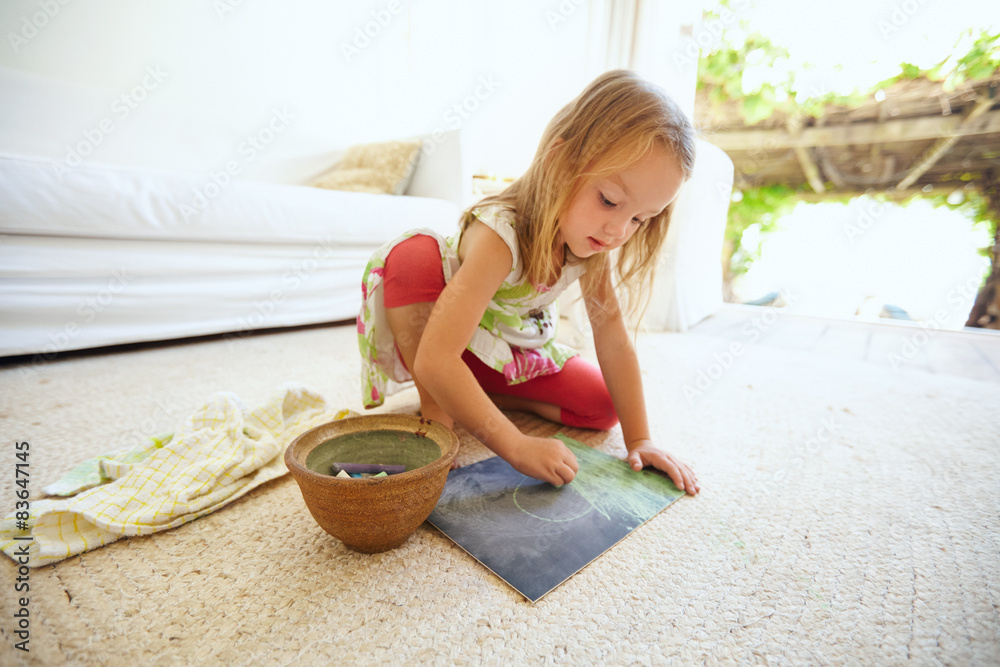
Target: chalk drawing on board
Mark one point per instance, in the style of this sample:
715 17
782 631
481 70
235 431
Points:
537 503
534 535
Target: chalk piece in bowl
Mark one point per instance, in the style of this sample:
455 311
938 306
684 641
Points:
373 468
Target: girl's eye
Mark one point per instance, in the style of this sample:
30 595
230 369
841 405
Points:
610 204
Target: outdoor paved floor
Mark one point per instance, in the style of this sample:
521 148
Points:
971 353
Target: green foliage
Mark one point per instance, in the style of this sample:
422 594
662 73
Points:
721 72
981 62
721 75
975 207
908 71
762 206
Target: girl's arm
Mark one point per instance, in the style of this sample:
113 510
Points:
439 365
620 366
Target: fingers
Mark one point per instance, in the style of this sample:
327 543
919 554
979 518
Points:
689 483
566 469
680 474
549 460
675 474
683 477
563 475
571 461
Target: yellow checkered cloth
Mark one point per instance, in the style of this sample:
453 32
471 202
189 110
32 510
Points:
222 452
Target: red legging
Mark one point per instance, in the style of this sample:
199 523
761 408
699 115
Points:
413 274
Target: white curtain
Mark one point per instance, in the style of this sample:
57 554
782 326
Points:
621 18
688 285
652 37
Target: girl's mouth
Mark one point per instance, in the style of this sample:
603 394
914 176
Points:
596 245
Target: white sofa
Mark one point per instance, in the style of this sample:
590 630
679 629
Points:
140 242
105 254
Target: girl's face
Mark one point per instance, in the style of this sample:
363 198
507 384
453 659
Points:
606 213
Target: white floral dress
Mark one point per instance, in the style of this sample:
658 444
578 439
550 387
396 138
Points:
516 335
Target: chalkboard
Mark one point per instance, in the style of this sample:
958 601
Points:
534 535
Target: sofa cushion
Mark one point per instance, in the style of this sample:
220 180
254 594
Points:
386 167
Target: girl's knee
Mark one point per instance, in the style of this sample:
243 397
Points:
606 422
597 412
583 396
413 272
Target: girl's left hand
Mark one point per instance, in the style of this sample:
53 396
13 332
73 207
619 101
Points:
645 453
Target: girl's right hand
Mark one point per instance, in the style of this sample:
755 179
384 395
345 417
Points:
547 459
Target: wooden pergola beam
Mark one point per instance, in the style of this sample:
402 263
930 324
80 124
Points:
830 170
942 145
809 168
855 191
890 131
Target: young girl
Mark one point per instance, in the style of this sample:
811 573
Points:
471 319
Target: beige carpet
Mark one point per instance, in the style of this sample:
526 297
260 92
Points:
849 515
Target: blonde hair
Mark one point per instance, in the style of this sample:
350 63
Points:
613 123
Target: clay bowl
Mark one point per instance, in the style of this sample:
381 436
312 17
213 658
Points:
374 514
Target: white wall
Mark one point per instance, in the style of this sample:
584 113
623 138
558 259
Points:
497 70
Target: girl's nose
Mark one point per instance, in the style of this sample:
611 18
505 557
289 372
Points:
617 227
